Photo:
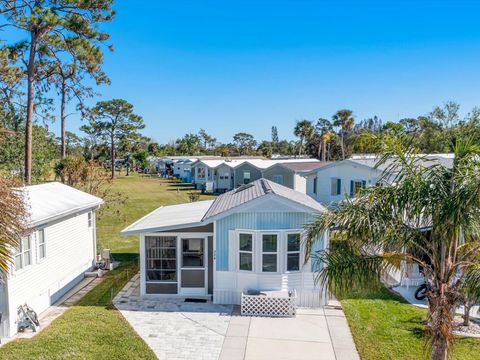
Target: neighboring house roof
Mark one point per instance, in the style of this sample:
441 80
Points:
52 201
370 161
255 190
304 166
170 217
430 159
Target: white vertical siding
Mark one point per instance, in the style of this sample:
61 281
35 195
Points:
70 249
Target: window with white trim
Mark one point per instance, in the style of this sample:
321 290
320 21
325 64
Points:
90 219
269 252
23 255
42 245
246 177
245 252
201 172
293 252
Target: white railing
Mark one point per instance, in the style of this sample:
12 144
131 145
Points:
269 303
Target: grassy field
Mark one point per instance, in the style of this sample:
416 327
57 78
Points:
93 329
143 194
385 327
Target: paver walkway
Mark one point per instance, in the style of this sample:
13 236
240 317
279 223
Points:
176 330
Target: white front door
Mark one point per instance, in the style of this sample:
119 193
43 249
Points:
193 265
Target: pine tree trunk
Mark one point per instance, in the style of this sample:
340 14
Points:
30 109
112 148
62 119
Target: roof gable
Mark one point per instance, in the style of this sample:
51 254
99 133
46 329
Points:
259 189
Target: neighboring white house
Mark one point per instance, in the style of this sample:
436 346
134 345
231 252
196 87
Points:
333 182
183 169
53 257
250 238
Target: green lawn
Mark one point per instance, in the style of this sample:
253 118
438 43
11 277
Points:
143 194
385 327
93 329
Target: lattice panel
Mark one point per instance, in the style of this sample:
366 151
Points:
258 305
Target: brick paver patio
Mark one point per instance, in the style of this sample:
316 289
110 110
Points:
179 330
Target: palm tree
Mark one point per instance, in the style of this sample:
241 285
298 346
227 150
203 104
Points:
344 120
324 127
422 210
304 130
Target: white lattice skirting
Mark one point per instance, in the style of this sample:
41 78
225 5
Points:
275 306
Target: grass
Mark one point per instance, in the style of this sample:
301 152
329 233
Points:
144 194
386 327
93 328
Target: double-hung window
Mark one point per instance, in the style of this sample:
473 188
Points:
269 252
278 179
246 177
245 247
356 187
42 250
201 172
293 252
23 255
335 186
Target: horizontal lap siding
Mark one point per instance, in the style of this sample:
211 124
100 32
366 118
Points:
70 252
254 221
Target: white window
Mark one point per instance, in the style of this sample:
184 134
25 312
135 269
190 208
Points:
269 252
335 186
246 177
23 255
90 219
245 246
226 176
201 173
293 252
277 179
42 249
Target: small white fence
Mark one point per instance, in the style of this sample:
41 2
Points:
269 303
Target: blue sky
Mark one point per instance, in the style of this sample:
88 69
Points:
230 66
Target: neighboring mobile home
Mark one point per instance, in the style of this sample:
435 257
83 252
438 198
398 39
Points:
248 238
331 183
53 257
290 173
182 169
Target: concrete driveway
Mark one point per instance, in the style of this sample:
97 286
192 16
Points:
179 330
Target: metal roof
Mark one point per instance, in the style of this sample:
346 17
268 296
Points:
54 200
170 217
255 190
304 165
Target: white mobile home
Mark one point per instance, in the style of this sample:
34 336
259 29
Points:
333 182
53 257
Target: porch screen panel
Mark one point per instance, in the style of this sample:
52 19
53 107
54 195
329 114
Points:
161 258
